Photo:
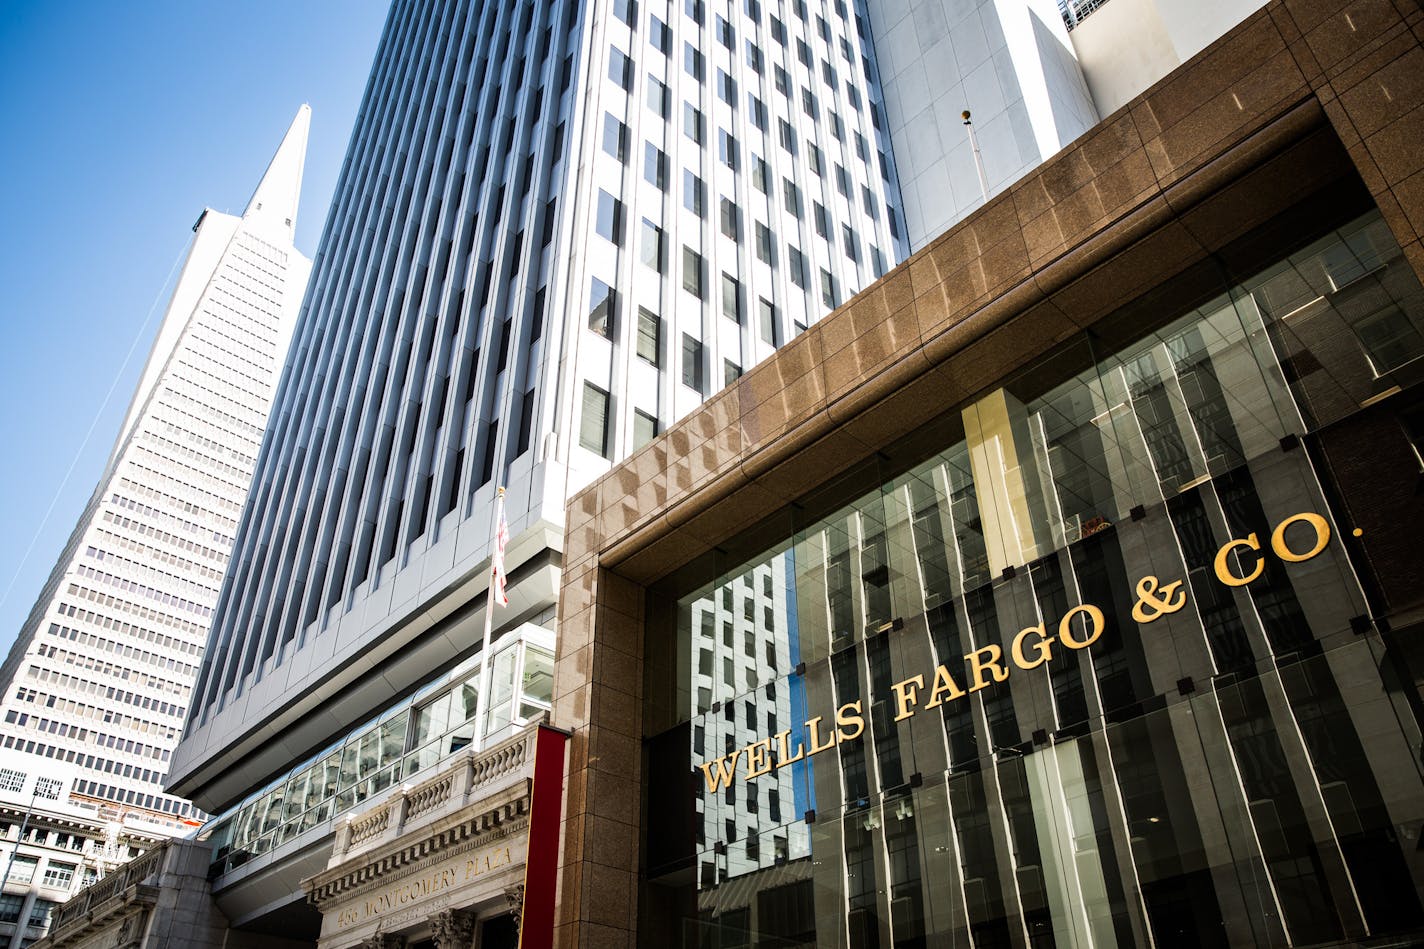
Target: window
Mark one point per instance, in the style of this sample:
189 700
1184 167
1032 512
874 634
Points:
602 303
754 57
655 165
691 362
652 251
695 11
809 104
757 111
22 869
763 243
42 912
787 136
731 220
760 173
727 88
778 31
725 34
609 222
692 123
660 36
783 81
626 10
659 97
615 137
593 425
694 193
837 127
842 180
862 151
59 875
620 68
877 261
650 336
692 272
1388 338
828 289
11 780
850 242
823 219
731 298
731 372
645 428
766 321
692 61
867 200
727 148
796 263
11 904
526 422
818 164
792 196
803 53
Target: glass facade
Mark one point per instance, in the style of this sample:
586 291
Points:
1125 662
404 741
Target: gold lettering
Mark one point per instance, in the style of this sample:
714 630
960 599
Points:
1278 537
849 726
944 687
905 695
992 660
783 751
758 758
1223 571
1044 648
726 771
1065 626
813 728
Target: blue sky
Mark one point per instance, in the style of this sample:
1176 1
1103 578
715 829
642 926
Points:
122 121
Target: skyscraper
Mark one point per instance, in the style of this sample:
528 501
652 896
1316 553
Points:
98 682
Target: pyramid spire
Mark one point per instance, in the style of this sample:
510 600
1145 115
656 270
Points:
274 203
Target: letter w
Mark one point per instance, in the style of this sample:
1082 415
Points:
726 771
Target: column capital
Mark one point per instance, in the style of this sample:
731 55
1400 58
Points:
453 928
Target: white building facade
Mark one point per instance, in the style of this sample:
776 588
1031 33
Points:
53 842
99 681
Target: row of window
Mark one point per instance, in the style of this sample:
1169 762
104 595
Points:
69 754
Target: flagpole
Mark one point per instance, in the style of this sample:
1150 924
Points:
482 697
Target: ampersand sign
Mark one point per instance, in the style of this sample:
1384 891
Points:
1153 603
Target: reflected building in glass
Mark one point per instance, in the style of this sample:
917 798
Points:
1114 666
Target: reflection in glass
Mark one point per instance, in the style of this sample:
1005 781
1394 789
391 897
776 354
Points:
1223 769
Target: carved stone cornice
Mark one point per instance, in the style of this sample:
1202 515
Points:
481 824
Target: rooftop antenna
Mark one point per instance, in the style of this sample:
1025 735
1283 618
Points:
978 156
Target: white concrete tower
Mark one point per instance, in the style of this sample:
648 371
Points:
99 678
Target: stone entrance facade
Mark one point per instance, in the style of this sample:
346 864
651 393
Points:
466 858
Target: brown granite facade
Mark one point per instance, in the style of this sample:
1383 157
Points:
1302 97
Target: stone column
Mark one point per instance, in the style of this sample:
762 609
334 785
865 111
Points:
453 928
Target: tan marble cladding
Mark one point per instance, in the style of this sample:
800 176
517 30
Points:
1214 149
598 868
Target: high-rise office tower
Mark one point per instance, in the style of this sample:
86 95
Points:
101 675
559 228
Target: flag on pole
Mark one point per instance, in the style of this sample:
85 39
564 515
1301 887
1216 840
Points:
498 578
